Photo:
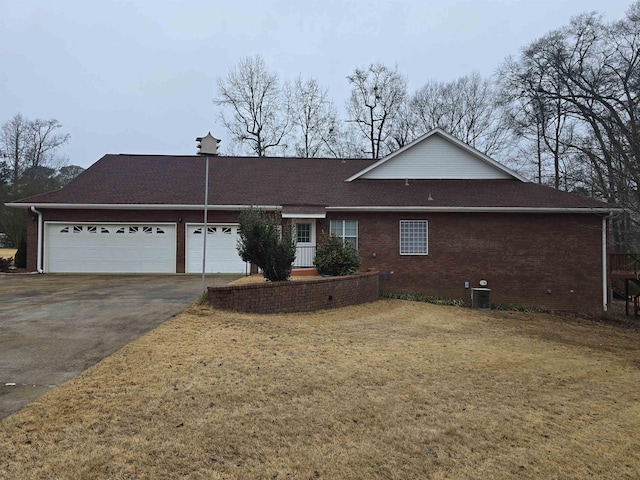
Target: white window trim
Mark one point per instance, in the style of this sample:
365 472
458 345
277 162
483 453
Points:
343 235
426 223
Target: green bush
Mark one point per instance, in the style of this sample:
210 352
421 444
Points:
336 257
20 260
266 244
203 299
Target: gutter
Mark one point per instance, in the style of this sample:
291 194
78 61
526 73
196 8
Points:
605 292
410 208
136 206
40 238
422 209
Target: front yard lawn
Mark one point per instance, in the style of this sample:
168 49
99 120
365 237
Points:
392 389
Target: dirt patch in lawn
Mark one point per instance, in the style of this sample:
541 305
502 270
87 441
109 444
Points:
392 389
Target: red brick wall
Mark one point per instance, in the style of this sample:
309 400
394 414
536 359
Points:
32 242
550 261
544 260
296 296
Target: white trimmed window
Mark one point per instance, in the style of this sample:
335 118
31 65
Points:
303 232
347 230
414 237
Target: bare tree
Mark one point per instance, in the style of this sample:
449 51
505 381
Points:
31 144
257 111
467 108
313 118
343 142
535 117
404 128
586 77
377 94
29 162
14 141
45 143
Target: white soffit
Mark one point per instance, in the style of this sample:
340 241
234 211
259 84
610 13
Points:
437 155
303 211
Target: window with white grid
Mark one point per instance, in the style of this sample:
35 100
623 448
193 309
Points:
303 232
413 237
347 230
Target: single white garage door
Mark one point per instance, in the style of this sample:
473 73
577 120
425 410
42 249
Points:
110 248
222 255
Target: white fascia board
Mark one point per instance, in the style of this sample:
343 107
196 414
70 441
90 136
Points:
128 206
422 209
73 206
481 156
304 215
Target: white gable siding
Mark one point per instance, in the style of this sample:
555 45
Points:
435 158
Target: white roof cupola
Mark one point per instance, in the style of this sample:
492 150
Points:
208 145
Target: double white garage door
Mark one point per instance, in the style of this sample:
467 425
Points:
137 248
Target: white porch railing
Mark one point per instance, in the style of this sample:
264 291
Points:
304 256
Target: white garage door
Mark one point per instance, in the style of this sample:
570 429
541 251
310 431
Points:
222 255
110 248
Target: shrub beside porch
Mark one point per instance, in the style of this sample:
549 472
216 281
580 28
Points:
301 296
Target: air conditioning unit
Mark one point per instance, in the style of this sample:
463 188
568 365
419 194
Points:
481 298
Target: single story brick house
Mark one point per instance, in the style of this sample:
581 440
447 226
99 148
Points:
435 217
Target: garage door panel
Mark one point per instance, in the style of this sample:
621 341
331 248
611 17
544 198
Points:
110 248
222 254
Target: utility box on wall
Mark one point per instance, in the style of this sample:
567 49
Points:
481 298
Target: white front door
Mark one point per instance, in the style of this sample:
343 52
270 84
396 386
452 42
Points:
305 236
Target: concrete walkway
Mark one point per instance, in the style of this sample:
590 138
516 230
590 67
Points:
53 327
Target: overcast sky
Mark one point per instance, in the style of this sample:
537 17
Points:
139 76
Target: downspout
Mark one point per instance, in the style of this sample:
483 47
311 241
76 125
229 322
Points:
605 292
40 235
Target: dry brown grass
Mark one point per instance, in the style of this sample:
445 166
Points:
392 390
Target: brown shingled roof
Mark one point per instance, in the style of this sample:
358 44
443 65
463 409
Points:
179 180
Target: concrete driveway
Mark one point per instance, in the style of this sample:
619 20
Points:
53 327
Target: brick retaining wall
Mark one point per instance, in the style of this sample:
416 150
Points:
296 296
